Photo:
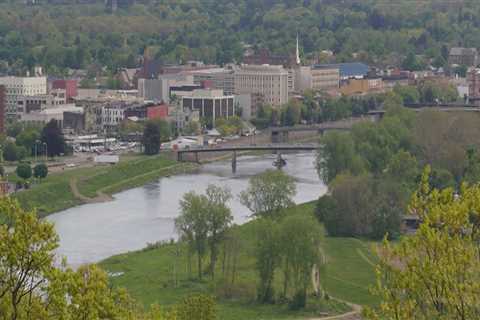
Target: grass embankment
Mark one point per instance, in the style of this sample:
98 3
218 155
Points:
148 275
55 194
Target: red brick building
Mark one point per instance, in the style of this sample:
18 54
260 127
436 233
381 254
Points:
157 112
70 87
2 108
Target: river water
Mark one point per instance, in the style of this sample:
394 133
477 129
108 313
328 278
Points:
136 217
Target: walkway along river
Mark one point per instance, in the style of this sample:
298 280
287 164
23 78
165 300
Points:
92 232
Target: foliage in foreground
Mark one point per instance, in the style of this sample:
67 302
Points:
434 273
32 286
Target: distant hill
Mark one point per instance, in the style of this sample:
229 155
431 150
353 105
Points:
75 33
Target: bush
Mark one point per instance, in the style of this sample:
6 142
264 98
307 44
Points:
40 171
24 171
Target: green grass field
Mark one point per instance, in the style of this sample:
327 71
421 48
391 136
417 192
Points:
148 275
54 193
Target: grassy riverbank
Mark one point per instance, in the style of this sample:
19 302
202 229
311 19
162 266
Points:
55 192
149 277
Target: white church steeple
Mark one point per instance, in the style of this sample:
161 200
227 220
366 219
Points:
297 53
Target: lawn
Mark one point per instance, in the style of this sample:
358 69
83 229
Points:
54 194
149 276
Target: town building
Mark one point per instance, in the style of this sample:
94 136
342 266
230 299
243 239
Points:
70 87
316 78
216 78
473 80
27 104
463 56
362 86
2 108
211 104
46 115
155 112
160 90
347 70
268 80
16 88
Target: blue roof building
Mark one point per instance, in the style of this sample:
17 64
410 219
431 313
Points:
348 70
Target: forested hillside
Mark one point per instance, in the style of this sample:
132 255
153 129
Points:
375 31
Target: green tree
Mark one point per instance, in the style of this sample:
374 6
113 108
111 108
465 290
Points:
267 253
199 307
432 274
24 171
336 155
40 171
52 135
11 152
27 139
219 217
268 193
325 206
193 226
300 250
151 138
26 259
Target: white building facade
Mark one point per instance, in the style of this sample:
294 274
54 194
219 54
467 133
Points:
16 88
270 81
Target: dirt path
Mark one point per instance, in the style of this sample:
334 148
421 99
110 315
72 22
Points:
355 314
101 197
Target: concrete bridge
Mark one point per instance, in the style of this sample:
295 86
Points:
278 148
280 134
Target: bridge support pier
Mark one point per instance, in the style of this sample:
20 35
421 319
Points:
234 162
196 157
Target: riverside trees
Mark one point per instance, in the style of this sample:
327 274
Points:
378 164
203 222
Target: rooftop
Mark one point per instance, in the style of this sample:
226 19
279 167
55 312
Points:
347 70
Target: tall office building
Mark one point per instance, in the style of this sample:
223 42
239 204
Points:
270 81
18 87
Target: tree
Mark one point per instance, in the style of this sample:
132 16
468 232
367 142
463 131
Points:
52 135
267 253
192 224
300 250
336 155
40 171
219 217
151 138
33 286
268 193
26 259
325 206
10 151
24 171
199 307
433 273
27 139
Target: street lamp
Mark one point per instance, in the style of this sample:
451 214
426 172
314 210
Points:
46 150
36 149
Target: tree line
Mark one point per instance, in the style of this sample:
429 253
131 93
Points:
372 170
83 35
286 244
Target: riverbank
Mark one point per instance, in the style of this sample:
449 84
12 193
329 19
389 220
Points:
148 275
73 187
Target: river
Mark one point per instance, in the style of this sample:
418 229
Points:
92 232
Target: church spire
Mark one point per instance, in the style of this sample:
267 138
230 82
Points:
297 53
